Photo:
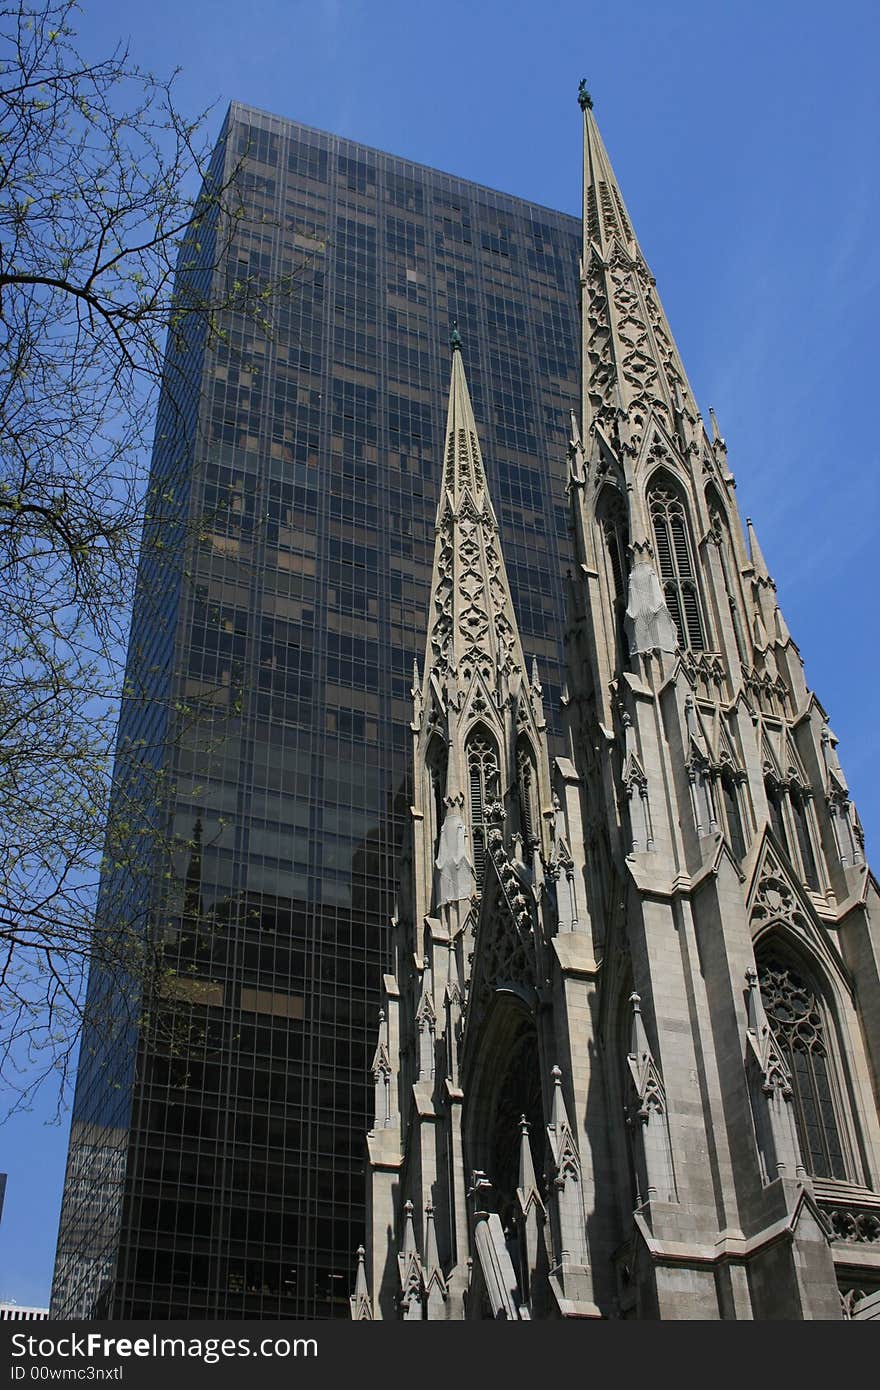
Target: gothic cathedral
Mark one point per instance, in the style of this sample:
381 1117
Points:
628 1059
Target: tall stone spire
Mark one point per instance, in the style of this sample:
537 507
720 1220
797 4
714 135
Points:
605 214
631 366
704 759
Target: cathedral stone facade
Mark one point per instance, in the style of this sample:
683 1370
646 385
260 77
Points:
628 1058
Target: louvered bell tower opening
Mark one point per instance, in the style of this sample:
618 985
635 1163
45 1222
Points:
482 761
677 572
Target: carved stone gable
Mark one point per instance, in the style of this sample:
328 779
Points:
774 898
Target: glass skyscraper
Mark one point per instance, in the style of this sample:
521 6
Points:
216 1160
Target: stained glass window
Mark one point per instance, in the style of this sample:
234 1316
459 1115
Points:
796 1016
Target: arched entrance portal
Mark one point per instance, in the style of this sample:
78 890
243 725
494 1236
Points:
506 1084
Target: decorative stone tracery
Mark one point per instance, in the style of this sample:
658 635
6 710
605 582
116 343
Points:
775 899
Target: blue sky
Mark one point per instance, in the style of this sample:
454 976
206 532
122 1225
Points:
745 137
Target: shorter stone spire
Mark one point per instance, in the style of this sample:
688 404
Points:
432 1260
567 1215
463 464
774 1072
472 629
772 1092
493 1257
435 1283
382 1073
646 1114
410 1269
561 1137
531 1214
536 680
361 1307
409 1235
717 437
577 466
759 564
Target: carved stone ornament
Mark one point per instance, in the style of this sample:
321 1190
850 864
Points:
639 367
648 1094
850 1299
381 1063
861 1227
775 901
425 1015
774 1072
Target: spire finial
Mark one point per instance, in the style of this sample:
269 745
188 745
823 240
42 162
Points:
455 337
717 437
585 101
361 1308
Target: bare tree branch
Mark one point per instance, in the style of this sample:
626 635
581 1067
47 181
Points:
114 223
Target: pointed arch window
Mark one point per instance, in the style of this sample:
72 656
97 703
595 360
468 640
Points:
799 1021
527 790
801 815
611 515
483 787
436 763
777 818
676 564
721 535
732 815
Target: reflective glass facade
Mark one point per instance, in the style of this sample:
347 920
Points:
217 1149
